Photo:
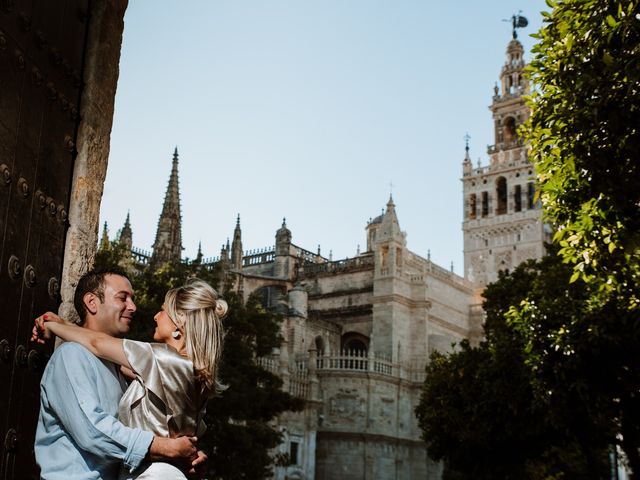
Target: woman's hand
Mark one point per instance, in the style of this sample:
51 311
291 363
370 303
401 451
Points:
40 332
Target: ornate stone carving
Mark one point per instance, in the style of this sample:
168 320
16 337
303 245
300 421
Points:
503 261
387 407
346 404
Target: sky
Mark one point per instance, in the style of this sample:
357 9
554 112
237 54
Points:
313 111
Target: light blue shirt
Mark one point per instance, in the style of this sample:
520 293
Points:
78 436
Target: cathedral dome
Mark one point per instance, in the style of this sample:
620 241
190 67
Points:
378 219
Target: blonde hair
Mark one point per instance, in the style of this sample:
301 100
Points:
197 310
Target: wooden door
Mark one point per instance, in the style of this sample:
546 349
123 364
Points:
42 48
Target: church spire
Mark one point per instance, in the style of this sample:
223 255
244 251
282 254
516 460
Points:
466 164
199 254
467 137
126 234
168 244
390 227
236 246
104 240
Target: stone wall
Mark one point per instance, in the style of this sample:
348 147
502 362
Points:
361 456
96 110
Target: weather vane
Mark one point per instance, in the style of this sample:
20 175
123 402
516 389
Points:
517 21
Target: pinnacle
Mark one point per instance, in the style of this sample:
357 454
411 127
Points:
390 202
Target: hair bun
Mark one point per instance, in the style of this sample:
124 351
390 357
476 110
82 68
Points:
221 308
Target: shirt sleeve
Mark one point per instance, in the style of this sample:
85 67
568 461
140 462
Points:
73 395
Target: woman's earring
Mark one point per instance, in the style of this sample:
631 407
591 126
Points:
176 333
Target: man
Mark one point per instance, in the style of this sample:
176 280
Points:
78 436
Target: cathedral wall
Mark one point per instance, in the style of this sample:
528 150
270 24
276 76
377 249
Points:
299 428
331 288
343 299
369 402
449 312
406 315
396 314
356 457
328 332
264 269
294 330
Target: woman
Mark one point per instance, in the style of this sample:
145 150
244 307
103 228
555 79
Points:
172 379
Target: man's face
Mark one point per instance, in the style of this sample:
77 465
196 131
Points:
115 314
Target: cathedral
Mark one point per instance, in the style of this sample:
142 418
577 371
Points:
358 332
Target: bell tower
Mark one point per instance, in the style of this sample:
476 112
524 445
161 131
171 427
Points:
502 221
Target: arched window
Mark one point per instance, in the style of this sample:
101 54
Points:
472 205
270 296
319 345
501 195
355 345
509 130
485 204
353 342
517 198
384 254
530 195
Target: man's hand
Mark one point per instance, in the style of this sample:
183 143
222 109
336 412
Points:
181 450
198 466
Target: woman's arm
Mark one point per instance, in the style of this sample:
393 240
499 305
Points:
98 343
127 372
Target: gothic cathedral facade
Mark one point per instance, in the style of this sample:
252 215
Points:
358 332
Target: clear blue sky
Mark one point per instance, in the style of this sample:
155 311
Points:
307 110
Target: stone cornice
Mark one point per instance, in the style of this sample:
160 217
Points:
402 300
352 311
368 437
341 293
463 332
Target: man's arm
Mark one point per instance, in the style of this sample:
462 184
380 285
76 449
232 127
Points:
181 449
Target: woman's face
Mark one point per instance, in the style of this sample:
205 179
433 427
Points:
164 327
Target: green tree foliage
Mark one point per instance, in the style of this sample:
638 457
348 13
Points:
240 434
585 142
113 255
482 411
585 367
585 139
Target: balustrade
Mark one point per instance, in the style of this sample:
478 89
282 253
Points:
338 266
355 361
